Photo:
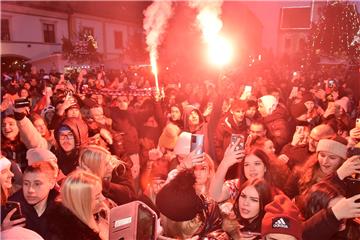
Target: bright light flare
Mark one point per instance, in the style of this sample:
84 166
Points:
220 51
154 69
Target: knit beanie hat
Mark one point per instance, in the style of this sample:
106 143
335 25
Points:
298 109
20 233
269 102
177 200
282 216
332 146
183 144
34 155
169 136
4 163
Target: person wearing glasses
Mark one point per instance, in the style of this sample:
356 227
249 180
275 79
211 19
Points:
71 135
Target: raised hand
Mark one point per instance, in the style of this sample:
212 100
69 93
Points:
7 223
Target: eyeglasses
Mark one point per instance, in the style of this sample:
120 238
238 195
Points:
66 136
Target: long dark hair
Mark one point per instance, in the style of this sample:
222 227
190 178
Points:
318 197
264 158
265 196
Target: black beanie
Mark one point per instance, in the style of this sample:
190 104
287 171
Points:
178 200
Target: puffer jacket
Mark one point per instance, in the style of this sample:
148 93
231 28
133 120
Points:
69 161
278 127
211 227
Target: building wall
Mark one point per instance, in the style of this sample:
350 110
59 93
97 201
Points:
26 31
27 36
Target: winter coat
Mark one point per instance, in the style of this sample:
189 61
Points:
297 154
120 189
128 122
64 225
69 161
29 135
14 151
278 127
324 225
33 221
211 229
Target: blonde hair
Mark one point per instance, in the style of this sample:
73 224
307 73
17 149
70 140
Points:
181 230
76 195
94 158
210 164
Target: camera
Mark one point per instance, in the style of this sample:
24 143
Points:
331 83
22 102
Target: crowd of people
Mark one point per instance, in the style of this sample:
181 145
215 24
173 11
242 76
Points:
266 153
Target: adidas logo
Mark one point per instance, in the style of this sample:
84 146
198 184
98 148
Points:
280 223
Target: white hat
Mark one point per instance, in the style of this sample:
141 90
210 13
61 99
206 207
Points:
269 102
4 163
183 143
19 233
34 155
331 146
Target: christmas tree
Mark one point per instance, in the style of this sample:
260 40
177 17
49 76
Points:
333 35
82 51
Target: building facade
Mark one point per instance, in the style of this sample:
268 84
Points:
34 32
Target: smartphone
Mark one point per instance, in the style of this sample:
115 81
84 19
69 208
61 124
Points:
294 92
357 125
248 88
10 205
69 95
300 129
234 139
22 102
354 152
197 140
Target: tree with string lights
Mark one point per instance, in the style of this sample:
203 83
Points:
83 50
333 35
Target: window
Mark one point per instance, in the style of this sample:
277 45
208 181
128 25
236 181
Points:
5 30
88 31
49 33
295 17
118 40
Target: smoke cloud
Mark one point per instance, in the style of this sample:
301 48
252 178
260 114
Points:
156 18
208 17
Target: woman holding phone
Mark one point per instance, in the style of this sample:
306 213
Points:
249 209
8 210
253 165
